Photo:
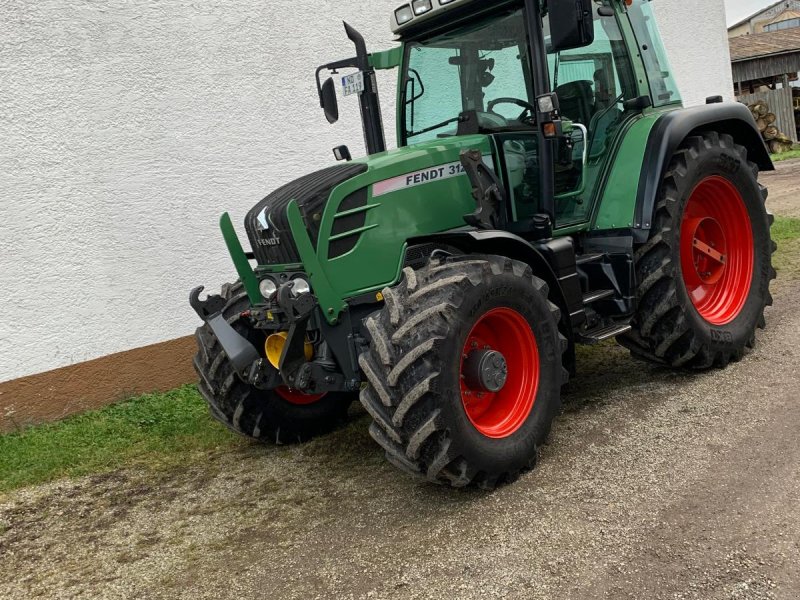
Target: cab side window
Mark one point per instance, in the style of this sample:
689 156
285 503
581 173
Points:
430 101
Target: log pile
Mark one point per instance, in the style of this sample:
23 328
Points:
776 140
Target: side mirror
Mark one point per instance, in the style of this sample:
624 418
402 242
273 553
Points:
571 24
330 104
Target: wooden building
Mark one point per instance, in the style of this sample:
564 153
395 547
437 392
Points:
764 67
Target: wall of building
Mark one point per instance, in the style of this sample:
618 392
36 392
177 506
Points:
128 126
697 43
743 29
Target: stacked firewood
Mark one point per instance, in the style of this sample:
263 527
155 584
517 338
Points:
776 140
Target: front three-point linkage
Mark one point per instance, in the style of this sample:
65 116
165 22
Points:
315 376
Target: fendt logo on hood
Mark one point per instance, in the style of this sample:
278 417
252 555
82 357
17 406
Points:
263 220
263 226
424 176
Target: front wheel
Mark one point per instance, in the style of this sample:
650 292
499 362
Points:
465 370
704 275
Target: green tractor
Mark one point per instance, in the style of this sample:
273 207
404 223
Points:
548 190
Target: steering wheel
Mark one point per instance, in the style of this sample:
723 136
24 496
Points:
529 108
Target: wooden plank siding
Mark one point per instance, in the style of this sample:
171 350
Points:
765 67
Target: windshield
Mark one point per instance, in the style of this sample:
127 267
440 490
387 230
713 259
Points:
481 67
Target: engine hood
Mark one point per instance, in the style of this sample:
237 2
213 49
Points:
352 227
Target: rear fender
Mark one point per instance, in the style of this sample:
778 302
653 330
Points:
668 134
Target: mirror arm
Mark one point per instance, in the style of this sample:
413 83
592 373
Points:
372 121
333 67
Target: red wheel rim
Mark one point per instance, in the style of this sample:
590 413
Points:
717 250
500 414
295 397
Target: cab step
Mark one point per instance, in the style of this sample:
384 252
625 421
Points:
597 295
596 336
585 259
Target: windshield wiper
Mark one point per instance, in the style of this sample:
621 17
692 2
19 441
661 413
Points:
432 127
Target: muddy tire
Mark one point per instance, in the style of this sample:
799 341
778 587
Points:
704 274
280 417
440 332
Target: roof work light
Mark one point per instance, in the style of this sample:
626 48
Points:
419 10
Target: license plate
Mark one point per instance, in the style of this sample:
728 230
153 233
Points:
353 84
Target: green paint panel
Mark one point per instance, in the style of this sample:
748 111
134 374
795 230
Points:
330 301
239 258
414 202
617 204
415 208
388 59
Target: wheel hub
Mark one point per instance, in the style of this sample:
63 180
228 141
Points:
499 372
709 249
485 370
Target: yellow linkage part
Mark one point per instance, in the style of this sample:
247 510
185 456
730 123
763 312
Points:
274 347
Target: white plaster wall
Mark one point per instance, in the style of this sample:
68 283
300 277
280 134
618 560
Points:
128 126
696 38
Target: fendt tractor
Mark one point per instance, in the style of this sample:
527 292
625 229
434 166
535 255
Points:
548 189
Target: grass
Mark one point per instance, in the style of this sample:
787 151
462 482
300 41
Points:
154 430
785 229
791 154
786 232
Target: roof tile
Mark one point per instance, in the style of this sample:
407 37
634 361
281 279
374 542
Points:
763 44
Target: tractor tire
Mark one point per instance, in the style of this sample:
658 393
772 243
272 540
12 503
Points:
433 409
705 272
279 416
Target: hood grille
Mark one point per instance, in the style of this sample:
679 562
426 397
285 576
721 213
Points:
267 226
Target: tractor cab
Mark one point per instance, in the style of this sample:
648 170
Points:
551 83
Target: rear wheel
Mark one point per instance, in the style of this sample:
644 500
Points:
704 274
280 416
464 370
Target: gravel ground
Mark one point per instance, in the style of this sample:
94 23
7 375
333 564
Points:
784 188
655 485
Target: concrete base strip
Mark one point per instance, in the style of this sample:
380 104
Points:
96 383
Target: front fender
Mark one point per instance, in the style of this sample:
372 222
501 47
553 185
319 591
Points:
553 261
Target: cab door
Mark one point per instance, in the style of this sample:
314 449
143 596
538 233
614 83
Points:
564 176
592 83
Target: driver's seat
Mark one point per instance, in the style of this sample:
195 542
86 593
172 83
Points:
576 100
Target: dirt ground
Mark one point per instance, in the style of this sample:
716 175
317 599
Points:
654 485
784 188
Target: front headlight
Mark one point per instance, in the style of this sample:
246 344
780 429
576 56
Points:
300 286
267 287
